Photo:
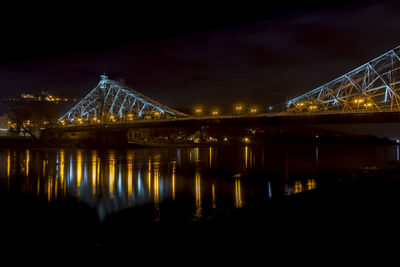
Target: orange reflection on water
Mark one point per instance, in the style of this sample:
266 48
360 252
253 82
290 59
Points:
27 162
149 177
246 151
213 196
238 194
78 171
94 173
210 156
61 170
55 188
298 187
38 187
311 184
49 187
156 187
111 175
130 176
173 179
198 193
8 164
44 167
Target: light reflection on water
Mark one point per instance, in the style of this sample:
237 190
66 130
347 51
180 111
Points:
209 177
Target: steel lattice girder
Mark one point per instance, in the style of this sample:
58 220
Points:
109 102
373 86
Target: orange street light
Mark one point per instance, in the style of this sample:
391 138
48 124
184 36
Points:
238 108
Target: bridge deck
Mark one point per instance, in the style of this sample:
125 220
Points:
261 119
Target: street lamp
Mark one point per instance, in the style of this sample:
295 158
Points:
198 111
253 110
239 108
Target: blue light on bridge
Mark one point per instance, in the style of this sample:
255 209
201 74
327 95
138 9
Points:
370 87
109 97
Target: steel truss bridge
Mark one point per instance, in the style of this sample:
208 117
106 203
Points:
112 102
372 88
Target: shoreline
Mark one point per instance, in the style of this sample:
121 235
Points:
8 142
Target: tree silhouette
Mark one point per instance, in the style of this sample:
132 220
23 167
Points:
32 119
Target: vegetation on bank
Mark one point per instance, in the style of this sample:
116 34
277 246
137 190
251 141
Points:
31 120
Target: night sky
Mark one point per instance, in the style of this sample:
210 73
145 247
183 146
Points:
195 54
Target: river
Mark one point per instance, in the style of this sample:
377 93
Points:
201 199
205 178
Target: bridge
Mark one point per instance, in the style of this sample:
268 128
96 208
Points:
111 102
367 94
374 86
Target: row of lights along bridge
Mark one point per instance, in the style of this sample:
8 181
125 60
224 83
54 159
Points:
237 110
358 103
198 111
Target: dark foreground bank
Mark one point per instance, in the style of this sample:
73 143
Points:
343 214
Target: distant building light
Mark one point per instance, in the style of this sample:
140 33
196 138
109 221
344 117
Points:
28 96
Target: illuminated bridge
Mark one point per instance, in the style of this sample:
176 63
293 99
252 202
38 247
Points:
112 102
366 91
372 87
367 94
113 112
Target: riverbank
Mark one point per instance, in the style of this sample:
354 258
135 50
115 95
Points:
25 142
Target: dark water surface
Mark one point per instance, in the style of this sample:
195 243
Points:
201 181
